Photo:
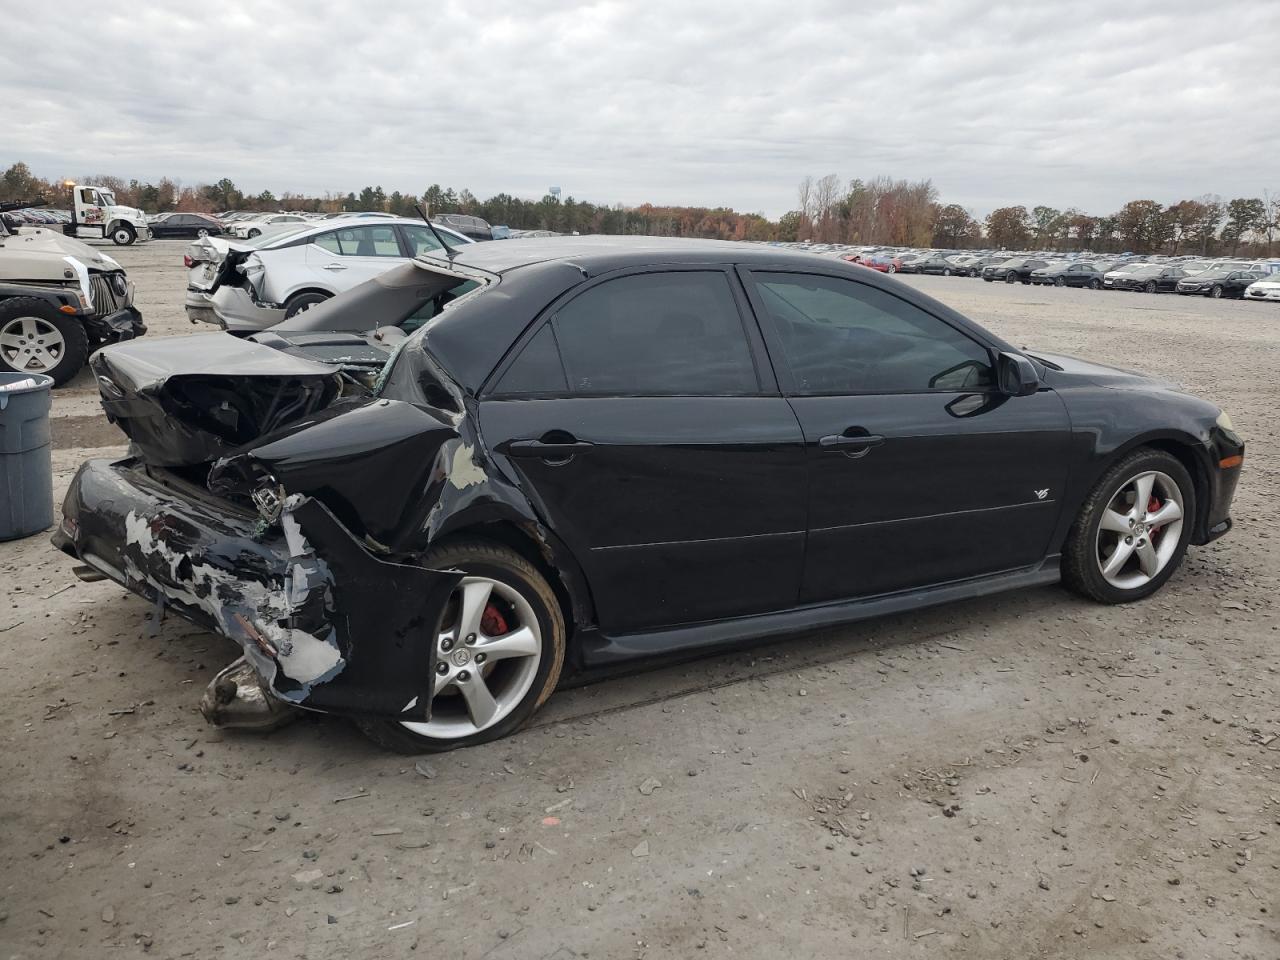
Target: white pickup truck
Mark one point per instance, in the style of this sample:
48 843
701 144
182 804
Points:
95 215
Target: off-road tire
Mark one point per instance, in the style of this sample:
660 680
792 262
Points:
482 558
75 340
1080 572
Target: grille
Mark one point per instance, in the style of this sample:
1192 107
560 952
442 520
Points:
105 298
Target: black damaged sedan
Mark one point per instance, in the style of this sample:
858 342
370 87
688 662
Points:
559 456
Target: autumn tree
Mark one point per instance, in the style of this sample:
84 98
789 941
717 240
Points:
1008 227
1212 210
953 226
1243 216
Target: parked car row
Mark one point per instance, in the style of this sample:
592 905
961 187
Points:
1188 275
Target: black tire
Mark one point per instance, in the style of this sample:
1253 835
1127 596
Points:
202 233
1060 281
482 558
123 235
1095 284
891 269
253 233
1010 277
1080 572
1149 287
946 272
75 342
1215 292
301 302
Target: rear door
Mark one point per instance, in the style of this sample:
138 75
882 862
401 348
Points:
641 417
920 472
342 258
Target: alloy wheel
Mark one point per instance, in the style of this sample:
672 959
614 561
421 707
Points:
487 656
31 344
1140 529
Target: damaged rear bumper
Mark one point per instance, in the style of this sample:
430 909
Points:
324 623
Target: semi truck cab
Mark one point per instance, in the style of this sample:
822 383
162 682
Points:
95 215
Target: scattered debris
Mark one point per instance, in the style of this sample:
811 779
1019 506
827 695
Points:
641 849
649 784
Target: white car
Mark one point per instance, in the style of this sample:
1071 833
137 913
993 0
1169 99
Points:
247 286
1111 276
1268 289
271 223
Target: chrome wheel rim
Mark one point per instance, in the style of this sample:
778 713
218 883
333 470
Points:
121 237
1140 529
481 676
31 344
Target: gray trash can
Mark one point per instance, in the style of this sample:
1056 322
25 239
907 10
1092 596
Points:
26 465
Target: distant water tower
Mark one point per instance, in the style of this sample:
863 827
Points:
555 192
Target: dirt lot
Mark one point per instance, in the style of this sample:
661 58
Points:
1024 776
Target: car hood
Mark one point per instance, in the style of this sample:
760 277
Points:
41 242
1071 370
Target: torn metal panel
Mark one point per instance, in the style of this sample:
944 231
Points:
192 399
327 625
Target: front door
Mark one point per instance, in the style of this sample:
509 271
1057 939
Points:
645 427
920 471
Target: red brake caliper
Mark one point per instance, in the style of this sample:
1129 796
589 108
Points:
493 623
1152 506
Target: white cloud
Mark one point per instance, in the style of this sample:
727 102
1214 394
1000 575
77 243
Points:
1087 104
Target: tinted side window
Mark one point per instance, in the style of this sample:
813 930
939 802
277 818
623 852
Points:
839 336
657 334
537 369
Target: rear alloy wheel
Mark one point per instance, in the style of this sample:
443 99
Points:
123 235
1133 530
36 338
891 269
499 652
1095 284
302 302
202 233
1149 287
1216 292
1060 282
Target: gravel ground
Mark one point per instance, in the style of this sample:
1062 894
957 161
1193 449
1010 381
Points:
1027 775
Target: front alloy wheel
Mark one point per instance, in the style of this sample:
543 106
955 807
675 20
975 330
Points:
499 652
1132 530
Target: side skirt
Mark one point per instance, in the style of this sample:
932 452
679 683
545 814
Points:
598 651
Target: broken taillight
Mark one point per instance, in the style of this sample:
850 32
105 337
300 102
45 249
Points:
187 261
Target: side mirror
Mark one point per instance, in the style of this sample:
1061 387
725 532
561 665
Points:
1018 375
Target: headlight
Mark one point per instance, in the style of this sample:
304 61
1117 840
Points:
1224 421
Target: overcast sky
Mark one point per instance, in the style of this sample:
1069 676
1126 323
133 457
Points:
1086 104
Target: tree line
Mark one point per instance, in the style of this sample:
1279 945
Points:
909 213
880 210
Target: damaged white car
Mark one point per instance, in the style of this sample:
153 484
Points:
247 286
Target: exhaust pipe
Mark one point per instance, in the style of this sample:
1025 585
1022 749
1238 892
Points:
236 699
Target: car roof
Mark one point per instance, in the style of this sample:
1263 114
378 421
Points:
531 274
599 254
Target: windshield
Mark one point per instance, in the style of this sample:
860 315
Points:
1213 275
1144 271
108 197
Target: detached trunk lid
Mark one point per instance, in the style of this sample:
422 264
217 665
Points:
190 400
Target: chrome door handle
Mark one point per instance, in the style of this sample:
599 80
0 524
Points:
334 266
